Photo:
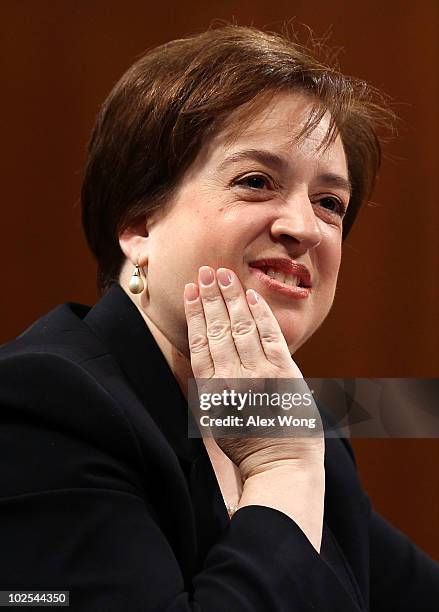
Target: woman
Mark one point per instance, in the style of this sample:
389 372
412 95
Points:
224 172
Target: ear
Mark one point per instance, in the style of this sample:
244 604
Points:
134 243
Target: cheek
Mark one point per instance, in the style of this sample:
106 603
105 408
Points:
223 240
329 264
332 266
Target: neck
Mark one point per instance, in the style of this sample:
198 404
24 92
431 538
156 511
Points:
178 362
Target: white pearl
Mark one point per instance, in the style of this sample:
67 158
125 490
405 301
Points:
136 284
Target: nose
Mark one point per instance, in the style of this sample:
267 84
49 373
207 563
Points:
297 222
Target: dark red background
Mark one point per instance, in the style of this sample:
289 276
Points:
59 61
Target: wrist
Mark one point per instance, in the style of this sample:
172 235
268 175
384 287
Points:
287 469
293 462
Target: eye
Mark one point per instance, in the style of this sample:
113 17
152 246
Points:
255 182
333 204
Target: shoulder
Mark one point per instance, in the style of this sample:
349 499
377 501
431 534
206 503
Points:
44 366
55 373
61 331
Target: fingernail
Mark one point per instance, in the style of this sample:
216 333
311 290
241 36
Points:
224 277
206 276
190 292
252 297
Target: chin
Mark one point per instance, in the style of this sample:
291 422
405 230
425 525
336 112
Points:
295 339
297 328
295 344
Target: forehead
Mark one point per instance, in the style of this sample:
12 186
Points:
274 124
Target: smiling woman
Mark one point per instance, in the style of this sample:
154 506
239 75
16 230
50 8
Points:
224 172
284 203
167 108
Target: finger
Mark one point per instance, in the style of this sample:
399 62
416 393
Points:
222 348
201 360
242 324
271 337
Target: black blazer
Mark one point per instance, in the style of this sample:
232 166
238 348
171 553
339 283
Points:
103 493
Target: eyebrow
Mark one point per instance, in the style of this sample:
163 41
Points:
280 164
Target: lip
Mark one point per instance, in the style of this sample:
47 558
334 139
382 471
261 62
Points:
288 266
275 285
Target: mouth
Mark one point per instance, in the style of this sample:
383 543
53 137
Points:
283 276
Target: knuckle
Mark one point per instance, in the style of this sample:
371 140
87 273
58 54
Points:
269 338
217 330
198 343
211 298
242 328
233 298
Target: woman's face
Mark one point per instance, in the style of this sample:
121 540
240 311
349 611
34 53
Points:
259 195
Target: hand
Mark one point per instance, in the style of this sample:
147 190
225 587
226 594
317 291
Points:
233 334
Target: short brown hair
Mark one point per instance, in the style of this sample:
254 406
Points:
157 117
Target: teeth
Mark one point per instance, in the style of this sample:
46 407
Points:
287 279
293 281
280 276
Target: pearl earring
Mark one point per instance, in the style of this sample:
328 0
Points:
136 284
